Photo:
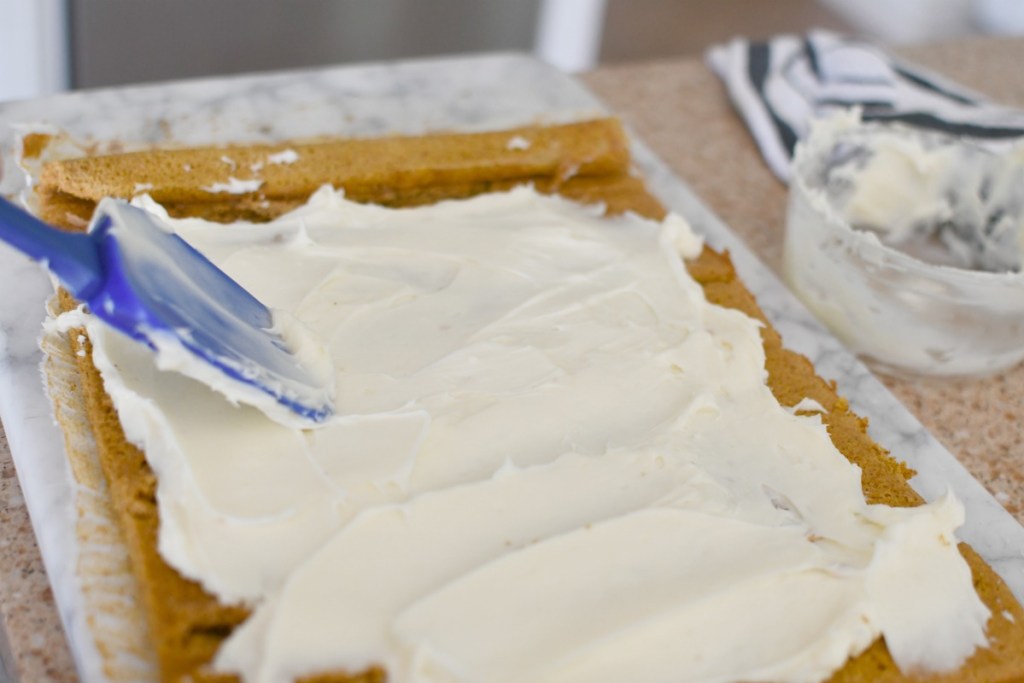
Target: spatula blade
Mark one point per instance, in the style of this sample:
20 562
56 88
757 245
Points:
166 294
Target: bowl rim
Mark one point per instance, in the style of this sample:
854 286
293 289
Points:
868 242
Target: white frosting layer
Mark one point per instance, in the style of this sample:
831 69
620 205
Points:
552 460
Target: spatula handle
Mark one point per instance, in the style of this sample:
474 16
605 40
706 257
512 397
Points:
72 257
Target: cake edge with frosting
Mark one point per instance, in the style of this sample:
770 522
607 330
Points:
186 624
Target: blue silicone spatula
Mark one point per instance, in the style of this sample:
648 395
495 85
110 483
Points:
152 285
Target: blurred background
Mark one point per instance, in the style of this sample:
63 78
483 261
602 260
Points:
52 45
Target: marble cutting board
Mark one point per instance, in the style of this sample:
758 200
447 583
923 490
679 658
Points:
466 93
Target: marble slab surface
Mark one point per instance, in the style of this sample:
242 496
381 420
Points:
465 94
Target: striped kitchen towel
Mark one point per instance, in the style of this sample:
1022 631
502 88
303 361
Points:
780 85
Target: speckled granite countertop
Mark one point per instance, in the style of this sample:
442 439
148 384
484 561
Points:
679 109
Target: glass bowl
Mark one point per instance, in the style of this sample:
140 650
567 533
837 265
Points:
908 245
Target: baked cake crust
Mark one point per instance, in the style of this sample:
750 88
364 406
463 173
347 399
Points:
587 162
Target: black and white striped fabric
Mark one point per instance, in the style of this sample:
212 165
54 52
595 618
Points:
780 85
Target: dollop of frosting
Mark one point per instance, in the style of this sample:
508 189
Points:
552 460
